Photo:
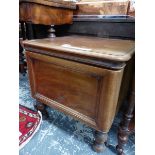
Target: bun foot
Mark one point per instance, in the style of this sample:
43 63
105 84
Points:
98 147
42 108
100 140
119 150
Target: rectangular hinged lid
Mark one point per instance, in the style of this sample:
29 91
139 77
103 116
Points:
103 48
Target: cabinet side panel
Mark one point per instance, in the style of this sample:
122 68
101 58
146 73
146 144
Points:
109 99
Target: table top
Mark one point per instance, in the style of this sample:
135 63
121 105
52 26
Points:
103 48
102 7
53 3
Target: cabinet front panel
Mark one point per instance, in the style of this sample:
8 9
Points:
85 92
71 88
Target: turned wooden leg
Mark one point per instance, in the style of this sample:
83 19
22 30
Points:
42 108
123 132
22 63
51 32
100 140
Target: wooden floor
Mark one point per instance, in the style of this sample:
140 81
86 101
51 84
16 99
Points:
62 135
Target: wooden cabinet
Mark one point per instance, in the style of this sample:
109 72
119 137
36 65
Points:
80 76
77 89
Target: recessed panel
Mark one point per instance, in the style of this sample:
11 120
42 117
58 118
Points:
71 87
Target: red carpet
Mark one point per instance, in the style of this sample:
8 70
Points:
29 123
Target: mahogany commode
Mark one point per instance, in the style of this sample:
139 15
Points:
80 76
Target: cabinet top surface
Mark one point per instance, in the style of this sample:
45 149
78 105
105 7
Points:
103 48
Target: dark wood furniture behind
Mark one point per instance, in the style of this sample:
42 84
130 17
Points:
22 36
54 12
121 27
42 12
80 76
25 32
124 130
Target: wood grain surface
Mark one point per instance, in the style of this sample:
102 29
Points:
47 14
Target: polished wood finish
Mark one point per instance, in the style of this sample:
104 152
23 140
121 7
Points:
46 12
102 7
124 131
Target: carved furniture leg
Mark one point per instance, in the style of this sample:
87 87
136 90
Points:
124 132
42 108
100 140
